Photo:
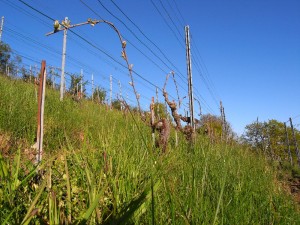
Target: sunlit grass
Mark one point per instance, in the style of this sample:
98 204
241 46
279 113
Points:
100 168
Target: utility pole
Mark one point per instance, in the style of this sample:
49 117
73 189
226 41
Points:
287 141
63 62
120 94
81 86
1 28
295 142
189 72
110 91
222 119
92 87
58 27
65 26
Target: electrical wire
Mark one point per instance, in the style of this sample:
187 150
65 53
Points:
155 45
166 22
94 46
183 80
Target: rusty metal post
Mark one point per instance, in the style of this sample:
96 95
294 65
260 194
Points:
190 79
295 142
152 120
40 116
287 141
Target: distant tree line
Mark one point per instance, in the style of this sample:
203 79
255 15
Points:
273 139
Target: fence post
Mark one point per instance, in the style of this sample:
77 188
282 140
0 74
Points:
110 92
295 142
81 85
288 143
152 120
92 87
41 105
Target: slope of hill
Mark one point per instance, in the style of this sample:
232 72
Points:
99 167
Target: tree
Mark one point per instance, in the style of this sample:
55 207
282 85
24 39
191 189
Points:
5 55
75 86
160 110
26 76
15 64
116 104
270 138
99 95
255 135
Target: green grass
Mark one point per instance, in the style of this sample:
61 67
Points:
133 183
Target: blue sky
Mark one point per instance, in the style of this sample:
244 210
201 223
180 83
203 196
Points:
245 53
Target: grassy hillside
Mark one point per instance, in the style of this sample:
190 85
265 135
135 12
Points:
99 168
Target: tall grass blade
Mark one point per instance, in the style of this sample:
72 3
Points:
28 215
220 199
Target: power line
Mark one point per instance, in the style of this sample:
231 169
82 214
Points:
176 6
204 73
168 14
174 33
176 16
96 47
197 59
180 75
170 28
139 29
137 39
125 26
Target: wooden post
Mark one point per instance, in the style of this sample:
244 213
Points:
1 27
92 87
295 142
40 116
256 134
152 120
120 95
287 141
81 85
52 76
63 62
224 123
189 72
157 105
30 73
269 144
222 120
110 91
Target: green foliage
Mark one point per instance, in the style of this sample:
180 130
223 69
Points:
214 127
160 110
5 55
75 86
270 138
99 95
99 167
116 104
8 59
